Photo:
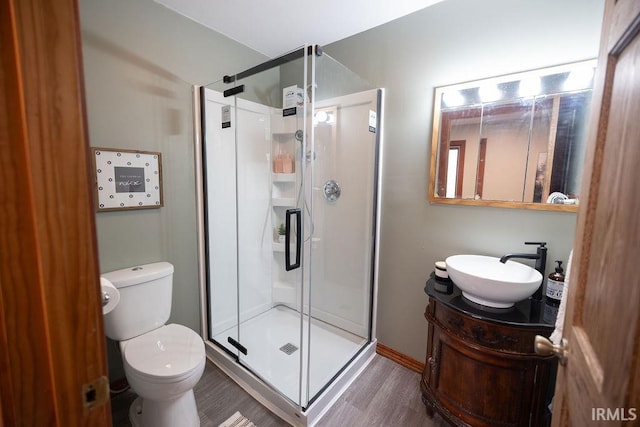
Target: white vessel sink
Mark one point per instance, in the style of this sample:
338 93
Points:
487 281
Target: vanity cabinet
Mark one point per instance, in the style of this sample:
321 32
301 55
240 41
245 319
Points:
481 368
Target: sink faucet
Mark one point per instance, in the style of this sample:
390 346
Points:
541 262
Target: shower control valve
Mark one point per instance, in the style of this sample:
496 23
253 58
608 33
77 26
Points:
331 191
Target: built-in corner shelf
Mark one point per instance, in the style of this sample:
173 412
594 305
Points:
278 247
282 135
285 188
283 177
283 202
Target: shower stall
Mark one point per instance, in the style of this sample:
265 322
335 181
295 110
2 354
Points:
289 158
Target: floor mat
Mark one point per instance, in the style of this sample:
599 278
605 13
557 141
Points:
237 420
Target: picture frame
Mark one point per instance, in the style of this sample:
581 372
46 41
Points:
127 179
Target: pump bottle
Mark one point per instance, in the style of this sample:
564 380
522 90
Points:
555 285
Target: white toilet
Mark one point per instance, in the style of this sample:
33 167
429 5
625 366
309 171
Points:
162 363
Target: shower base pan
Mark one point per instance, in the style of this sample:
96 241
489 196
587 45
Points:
273 371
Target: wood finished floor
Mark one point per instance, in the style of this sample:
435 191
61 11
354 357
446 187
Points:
385 394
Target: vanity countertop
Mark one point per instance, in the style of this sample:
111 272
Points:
524 313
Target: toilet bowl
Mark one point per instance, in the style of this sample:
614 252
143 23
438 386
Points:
162 367
162 362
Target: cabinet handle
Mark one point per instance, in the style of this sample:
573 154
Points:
432 362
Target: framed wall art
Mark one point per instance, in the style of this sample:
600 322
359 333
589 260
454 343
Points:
127 179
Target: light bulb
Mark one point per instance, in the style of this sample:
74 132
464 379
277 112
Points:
490 93
579 79
529 86
453 98
321 116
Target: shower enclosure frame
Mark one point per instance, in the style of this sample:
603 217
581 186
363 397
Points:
294 413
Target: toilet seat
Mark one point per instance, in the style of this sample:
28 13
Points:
168 354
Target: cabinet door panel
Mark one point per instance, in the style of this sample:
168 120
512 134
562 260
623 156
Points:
481 387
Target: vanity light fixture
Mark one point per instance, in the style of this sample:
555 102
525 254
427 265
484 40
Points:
512 102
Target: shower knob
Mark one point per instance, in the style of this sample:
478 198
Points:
331 191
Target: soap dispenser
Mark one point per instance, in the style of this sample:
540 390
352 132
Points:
555 284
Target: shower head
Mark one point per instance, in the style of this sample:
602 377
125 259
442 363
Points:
299 135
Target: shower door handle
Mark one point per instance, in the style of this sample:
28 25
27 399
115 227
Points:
287 239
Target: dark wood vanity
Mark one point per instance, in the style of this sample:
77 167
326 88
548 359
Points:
481 368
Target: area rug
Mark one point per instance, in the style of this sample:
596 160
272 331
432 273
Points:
237 420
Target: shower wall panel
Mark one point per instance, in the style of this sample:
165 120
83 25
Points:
345 150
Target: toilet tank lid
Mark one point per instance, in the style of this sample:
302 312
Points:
138 274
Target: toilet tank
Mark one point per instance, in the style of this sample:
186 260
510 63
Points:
145 300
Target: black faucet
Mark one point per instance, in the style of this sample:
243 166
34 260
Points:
541 263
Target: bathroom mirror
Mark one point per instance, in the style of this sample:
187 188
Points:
515 141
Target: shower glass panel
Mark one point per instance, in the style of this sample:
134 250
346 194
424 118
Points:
250 194
289 163
341 189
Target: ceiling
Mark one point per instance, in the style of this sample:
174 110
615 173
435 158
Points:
276 27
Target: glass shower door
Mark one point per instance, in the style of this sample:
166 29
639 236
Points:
269 140
270 232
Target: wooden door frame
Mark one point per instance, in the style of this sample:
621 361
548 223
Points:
51 333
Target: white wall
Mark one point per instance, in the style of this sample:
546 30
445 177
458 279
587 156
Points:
451 42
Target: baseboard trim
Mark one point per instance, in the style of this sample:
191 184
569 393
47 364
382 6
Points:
401 359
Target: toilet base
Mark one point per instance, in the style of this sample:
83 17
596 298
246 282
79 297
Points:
165 413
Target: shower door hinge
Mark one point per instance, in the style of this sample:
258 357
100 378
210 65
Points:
242 349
